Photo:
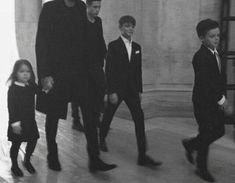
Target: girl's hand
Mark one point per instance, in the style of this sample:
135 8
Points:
16 127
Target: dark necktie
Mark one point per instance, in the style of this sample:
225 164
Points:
218 60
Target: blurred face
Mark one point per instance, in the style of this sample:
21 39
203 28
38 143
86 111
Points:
23 74
212 38
94 8
127 30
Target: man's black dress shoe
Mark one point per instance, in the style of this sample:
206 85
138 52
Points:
148 161
188 151
205 175
99 165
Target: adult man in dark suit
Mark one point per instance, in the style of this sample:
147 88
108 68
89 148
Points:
209 97
124 78
64 70
96 45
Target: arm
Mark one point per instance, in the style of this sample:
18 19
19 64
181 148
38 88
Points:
43 40
103 45
13 107
207 78
139 73
112 70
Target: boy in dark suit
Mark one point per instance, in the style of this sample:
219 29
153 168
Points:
124 80
209 99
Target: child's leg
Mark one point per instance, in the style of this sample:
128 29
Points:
29 151
14 154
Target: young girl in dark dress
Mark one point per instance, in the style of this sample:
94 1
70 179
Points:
21 107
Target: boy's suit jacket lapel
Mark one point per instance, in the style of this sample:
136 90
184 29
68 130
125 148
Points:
133 52
123 48
212 58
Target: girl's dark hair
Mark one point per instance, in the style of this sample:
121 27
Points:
18 64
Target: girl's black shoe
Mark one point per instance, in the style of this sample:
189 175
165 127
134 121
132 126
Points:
17 171
29 167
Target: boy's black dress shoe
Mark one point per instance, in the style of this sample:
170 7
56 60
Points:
188 151
205 175
29 167
99 165
17 171
148 161
103 146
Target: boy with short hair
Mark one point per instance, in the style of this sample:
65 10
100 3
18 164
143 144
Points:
209 97
124 80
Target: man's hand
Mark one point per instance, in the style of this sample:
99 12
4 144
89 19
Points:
47 83
225 104
113 98
16 127
227 108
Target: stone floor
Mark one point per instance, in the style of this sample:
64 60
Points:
164 143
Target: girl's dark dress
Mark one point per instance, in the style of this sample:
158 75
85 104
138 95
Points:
21 107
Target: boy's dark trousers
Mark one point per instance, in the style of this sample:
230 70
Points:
133 103
211 128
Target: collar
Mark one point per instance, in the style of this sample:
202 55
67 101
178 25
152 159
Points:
20 84
125 40
212 51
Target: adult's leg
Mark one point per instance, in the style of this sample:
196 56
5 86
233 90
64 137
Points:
51 132
95 163
90 129
76 117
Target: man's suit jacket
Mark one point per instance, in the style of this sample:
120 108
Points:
124 75
210 83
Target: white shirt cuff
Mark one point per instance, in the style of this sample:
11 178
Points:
221 101
17 123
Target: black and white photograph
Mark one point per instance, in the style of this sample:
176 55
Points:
117 91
